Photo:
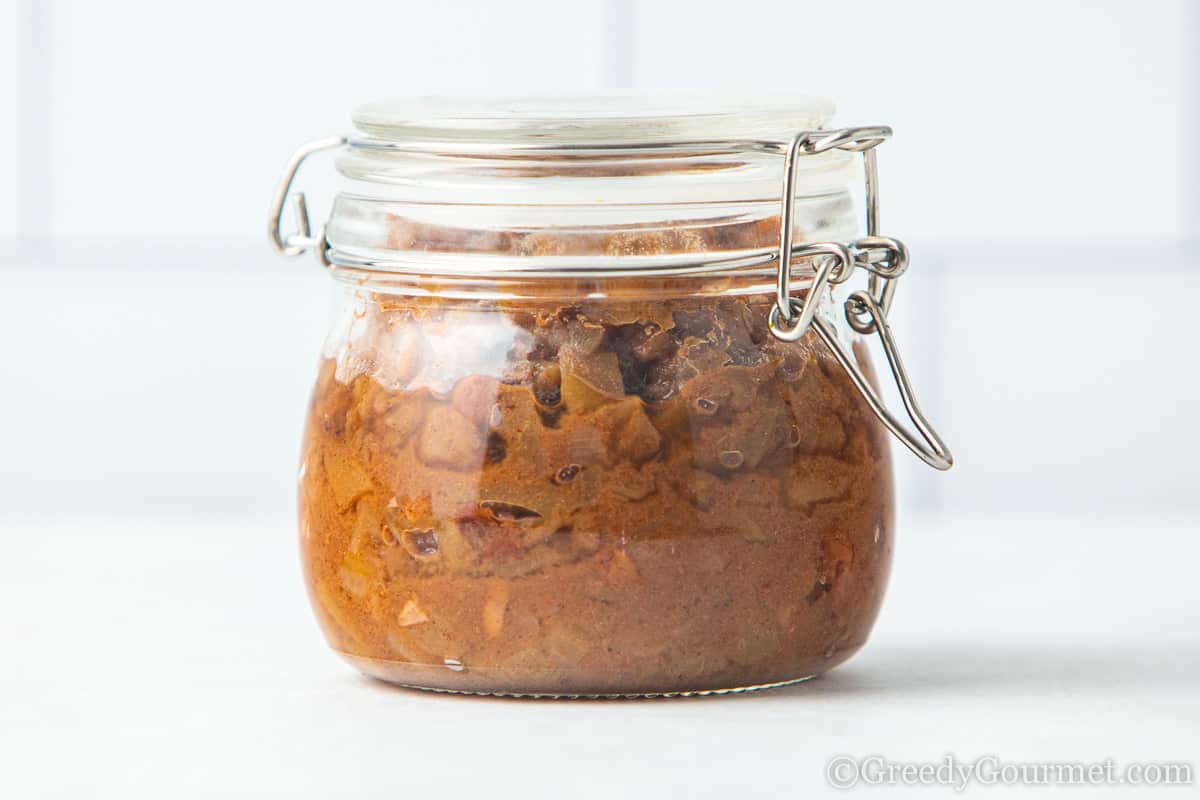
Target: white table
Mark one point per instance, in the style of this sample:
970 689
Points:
175 660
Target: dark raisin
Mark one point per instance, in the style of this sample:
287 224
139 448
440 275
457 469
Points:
551 416
550 397
623 340
421 543
570 313
567 473
658 389
794 436
507 511
633 376
692 323
654 346
818 591
496 449
547 386
542 350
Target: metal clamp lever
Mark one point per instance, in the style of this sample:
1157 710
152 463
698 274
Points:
883 257
930 448
294 244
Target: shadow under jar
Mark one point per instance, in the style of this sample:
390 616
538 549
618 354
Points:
564 438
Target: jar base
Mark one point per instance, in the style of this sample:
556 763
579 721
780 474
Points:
485 682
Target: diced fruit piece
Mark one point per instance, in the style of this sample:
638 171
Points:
475 397
589 381
450 440
818 479
632 436
400 420
585 445
837 556
494 606
564 642
621 569
743 442
412 614
354 582
701 488
348 480
632 483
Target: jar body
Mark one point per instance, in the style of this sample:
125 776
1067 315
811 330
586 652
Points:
641 492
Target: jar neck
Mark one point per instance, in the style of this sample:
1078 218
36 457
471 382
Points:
454 214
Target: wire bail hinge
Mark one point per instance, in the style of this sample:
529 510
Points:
302 240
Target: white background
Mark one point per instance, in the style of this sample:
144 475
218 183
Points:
157 355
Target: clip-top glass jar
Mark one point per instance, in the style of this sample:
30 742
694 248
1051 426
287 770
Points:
590 420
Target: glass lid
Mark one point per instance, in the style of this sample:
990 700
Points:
601 121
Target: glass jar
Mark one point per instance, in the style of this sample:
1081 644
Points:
589 420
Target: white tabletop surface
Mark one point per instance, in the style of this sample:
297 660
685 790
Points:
175 660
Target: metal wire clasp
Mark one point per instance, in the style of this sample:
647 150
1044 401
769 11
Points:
885 259
294 244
